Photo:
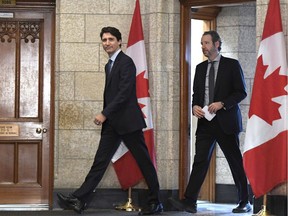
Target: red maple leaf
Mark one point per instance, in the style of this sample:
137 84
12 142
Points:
264 90
141 106
142 89
142 85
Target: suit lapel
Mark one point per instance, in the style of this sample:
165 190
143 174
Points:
203 76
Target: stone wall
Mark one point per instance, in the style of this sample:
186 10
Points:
240 27
80 62
236 26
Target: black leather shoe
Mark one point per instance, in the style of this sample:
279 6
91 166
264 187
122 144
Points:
152 209
242 207
72 202
183 205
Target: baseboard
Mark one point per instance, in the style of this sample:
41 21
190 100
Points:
110 198
275 205
225 193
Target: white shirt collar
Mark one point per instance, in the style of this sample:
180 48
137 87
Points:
113 57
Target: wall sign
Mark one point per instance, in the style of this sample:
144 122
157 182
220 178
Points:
7 2
9 130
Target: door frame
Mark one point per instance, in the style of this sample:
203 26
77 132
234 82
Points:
185 71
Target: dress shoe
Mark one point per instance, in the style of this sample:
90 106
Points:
242 207
152 209
183 205
72 202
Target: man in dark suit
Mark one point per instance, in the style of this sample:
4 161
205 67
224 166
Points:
121 120
227 88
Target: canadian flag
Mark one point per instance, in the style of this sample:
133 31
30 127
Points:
265 148
125 166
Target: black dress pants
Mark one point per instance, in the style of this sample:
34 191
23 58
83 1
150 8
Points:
108 145
207 134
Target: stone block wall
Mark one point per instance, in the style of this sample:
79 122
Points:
80 62
241 28
236 26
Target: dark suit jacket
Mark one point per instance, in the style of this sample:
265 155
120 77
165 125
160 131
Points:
120 102
229 88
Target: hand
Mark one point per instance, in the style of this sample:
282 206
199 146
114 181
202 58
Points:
99 119
214 107
198 112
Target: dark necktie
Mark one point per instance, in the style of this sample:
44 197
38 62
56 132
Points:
211 82
109 66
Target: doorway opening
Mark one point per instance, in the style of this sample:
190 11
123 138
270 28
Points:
202 19
198 17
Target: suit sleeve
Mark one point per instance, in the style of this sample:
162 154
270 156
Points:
239 88
199 85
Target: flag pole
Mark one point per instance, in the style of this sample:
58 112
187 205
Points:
263 211
128 206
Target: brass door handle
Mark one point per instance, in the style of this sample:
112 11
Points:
40 130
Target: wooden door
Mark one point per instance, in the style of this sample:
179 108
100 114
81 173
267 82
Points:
26 106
